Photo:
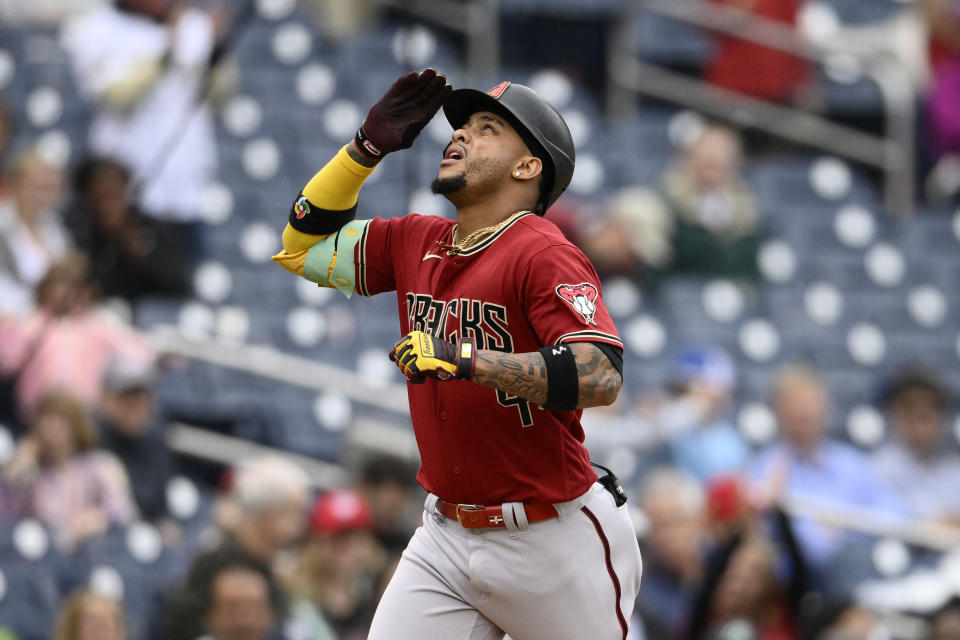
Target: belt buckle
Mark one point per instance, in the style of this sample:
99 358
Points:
467 507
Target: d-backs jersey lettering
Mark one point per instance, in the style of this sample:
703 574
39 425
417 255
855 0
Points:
523 288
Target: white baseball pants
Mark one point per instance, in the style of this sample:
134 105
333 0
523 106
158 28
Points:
573 577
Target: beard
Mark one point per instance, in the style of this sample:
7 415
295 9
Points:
443 186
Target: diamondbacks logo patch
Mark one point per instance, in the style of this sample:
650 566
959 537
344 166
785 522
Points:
498 90
582 297
301 207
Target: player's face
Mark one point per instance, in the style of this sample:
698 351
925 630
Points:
481 153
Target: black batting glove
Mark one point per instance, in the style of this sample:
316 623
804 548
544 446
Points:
396 120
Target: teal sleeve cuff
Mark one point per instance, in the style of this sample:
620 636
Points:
330 263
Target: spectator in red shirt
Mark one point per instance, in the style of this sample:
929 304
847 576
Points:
753 69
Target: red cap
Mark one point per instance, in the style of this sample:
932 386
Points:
726 499
340 510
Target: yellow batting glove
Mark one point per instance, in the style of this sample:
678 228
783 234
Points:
419 355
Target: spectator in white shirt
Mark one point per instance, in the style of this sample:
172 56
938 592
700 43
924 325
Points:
32 235
143 63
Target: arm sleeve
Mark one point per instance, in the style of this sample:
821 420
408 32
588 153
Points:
334 188
562 295
357 258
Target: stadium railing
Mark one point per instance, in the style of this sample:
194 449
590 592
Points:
382 437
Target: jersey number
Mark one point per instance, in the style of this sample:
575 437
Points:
523 406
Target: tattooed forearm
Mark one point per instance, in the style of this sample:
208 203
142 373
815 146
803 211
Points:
525 375
520 374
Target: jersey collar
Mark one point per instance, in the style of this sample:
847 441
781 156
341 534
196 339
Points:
488 241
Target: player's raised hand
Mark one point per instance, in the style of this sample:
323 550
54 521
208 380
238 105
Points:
396 120
420 355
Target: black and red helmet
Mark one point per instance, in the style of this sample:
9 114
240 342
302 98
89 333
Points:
537 121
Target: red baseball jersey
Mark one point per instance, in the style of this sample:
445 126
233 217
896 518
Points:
521 289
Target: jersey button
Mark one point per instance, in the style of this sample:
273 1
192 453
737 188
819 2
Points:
456 469
443 415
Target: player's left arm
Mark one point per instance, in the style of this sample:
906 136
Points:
526 375
321 232
561 377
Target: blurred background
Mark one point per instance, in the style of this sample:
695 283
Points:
196 444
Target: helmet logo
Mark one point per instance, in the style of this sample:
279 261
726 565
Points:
498 90
582 297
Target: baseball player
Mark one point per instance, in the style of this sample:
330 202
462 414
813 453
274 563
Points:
506 340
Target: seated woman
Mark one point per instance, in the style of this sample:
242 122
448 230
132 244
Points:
65 482
68 341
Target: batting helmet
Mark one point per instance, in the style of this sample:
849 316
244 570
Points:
537 121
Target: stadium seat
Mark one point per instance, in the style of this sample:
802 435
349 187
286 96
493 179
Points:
670 42
32 575
136 557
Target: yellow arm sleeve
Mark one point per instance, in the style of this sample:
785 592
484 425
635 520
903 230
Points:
335 188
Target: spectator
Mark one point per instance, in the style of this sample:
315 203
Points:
69 485
673 550
634 234
130 429
239 602
728 510
742 592
701 219
701 440
264 515
32 236
89 616
266 511
389 487
945 621
915 462
143 64
807 463
753 69
66 343
341 20
339 566
131 255
943 112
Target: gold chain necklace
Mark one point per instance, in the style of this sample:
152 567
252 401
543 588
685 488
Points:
477 236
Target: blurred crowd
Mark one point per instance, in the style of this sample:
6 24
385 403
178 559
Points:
723 540
729 551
